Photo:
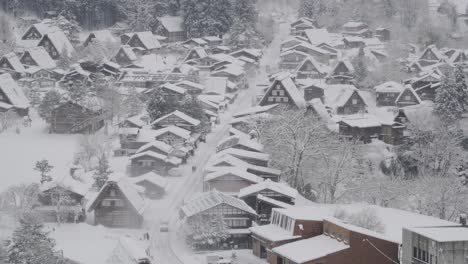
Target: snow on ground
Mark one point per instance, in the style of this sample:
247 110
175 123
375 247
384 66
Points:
86 243
243 256
20 152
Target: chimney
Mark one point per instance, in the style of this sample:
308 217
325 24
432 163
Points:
463 219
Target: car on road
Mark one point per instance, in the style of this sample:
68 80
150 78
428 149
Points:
164 226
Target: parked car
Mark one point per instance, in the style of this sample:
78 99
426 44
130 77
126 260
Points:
164 226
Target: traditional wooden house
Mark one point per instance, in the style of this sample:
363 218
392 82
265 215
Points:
173 28
175 136
213 41
119 28
283 91
10 63
171 91
394 123
57 45
382 33
253 54
125 56
220 49
252 157
311 69
190 87
342 72
291 42
12 96
364 127
100 36
38 78
231 161
195 54
291 59
280 192
177 119
195 42
343 99
144 40
239 142
118 204
387 93
86 116
430 56
135 139
229 180
299 26
360 29
317 53
38 57
352 42
237 215
426 84
153 184
407 97
39 30
234 73
458 57
148 160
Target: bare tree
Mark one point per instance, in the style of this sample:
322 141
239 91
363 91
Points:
60 199
19 198
92 148
44 168
365 218
293 137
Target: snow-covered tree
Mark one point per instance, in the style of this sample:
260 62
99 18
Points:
366 218
6 32
20 198
69 26
206 231
133 103
30 243
91 149
243 32
204 17
60 198
44 168
101 175
311 8
360 66
452 96
8 119
50 101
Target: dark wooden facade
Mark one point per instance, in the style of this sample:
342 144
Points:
149 163
354 105
74 118
50 47
113 209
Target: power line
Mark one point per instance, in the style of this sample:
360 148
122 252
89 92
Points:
380 251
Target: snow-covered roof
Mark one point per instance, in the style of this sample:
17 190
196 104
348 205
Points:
68 183
258 109
181 115
336 95
411 90
60 42
166 148
240 153
216 85
238 172
321 68
231 69
318 35
14 62
151 177
199 41
253 52
211 199
173 87
309 47
183 133
12 91
148 39
128 250
278 187
352 24
129 52
136 120
128 191
41 57
389 87
273 201
443 234
44 28
191 84
310 249
291 89
273 233
361 120
172 23
231 141
211 38
173 160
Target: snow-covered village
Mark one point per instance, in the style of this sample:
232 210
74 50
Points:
233 132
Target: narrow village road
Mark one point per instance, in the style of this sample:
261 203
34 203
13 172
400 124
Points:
165 247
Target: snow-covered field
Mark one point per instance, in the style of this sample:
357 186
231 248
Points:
243 256
20 152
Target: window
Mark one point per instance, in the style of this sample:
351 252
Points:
271 99
280 93
415 252
407 98
106 203
285 99
112 193
354 101
119 203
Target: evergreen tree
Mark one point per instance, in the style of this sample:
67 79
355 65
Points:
34 96
205 17
30 243
101 175
133 103
451 99
44 168
159 106
360 66
50 101
219 18
311 8
243 32
6 32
